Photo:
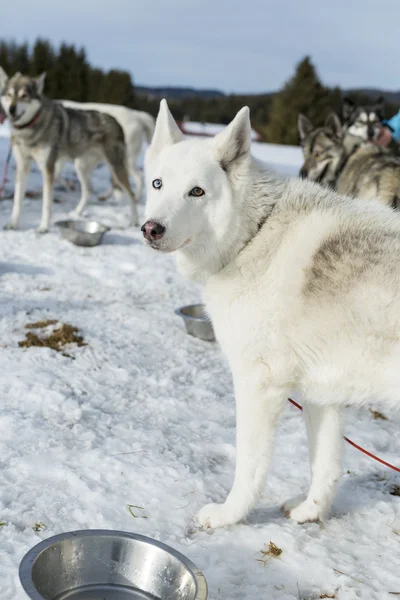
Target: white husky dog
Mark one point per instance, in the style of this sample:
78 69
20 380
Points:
303 288
138 128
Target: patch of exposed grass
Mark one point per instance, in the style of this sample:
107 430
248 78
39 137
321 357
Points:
270 551
39 526
41 324
56 339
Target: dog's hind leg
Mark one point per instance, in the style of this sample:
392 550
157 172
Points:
116 159
257 412
84 166
23 164
113 190
48 190
325 441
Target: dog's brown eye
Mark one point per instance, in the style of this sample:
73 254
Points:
157 184
196 192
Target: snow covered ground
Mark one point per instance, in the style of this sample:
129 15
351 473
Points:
144 415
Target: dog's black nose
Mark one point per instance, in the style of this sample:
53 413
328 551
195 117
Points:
12 109
152 230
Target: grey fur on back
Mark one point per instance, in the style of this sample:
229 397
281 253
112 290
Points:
70 132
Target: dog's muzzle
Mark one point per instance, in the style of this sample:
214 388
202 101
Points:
152 230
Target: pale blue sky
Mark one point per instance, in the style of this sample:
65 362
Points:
239 46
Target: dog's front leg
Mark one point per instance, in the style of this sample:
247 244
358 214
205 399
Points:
22 163
258 408
325 441
48 191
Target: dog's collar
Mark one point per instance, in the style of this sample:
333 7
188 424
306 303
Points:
30 123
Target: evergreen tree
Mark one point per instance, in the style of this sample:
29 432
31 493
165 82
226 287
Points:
43 60
95 85
303 93
117 88
22 58
4 56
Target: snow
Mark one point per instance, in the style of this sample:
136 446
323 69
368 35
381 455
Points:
144 415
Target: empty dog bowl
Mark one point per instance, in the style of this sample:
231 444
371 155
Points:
109 565
82 233
196 321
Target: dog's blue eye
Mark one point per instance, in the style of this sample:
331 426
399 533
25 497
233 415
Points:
157 184
197 192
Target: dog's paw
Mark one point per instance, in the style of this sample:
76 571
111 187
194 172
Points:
42 229
212 516
10 227
77 213
305 512
292 503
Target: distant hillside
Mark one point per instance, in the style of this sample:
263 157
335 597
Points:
180 93
391 97
177 93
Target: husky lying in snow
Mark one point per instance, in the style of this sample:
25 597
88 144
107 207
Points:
346 163
303 288
51 134
138 127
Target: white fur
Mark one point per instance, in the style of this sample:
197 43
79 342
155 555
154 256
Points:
138 127
335 348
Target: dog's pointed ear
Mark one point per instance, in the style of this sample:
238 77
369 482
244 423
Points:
40 82
304 126
3 78
166 132
234 141
332 122
347 107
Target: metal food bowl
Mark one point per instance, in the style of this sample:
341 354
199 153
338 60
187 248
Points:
82 233
196 321
109 565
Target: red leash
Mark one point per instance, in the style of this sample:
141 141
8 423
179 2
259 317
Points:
383 462
3 185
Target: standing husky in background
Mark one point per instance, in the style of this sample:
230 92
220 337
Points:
363 122
50 134
303 289
138 128
361 170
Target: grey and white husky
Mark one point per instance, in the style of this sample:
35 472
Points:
303 289
350 166
50 134
363 121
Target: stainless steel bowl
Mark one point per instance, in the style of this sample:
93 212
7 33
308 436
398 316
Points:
109 565
82 233
196 321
